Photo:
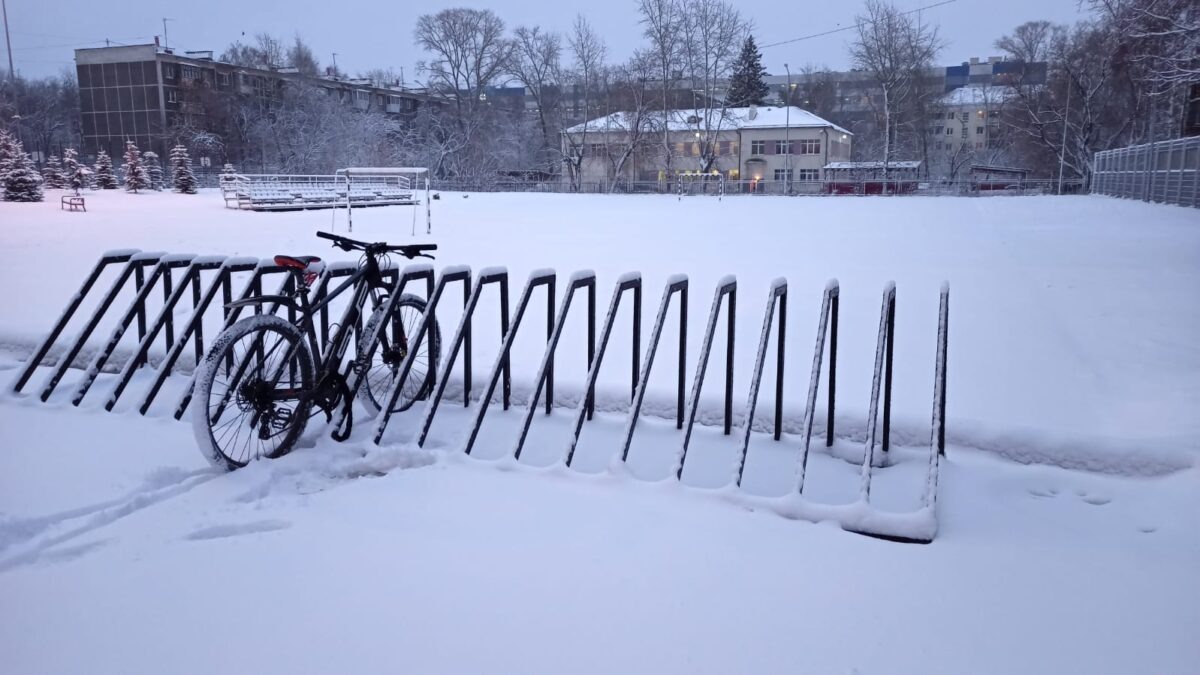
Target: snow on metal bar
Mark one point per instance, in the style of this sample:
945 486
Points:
109 258
448 275
587 280
223 281
462 341
538 278
883 347
627 282
777 296
135 262
676 285
727 286
164 316
826 325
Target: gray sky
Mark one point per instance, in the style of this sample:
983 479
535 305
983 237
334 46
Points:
370 33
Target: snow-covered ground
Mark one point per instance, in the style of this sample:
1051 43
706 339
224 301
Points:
1069 534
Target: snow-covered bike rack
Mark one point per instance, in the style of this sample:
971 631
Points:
179 327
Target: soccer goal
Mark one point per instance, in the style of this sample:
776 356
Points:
398 185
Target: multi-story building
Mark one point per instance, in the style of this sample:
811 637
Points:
141 92
965 128
755 144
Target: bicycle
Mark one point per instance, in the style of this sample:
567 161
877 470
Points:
259 384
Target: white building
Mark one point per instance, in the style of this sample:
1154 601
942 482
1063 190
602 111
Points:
756 144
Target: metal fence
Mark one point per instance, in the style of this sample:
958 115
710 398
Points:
975 188
1167 172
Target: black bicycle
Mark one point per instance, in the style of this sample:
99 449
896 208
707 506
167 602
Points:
259 383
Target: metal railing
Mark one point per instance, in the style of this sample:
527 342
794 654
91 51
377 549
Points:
797 188
1167 172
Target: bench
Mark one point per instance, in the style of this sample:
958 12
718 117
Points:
72 203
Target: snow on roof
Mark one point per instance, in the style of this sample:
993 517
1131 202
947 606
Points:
760 117
872 165
976 95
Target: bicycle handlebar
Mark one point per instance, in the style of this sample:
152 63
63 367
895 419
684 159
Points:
407 250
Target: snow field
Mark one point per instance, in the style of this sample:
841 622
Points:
1070 348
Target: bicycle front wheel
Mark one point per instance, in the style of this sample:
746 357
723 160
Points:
397 339
252 392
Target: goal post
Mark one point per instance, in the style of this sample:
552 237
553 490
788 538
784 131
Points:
406 177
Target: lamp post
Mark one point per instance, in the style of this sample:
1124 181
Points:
787 130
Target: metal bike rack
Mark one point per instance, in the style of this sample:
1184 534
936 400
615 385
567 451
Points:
777 298
537 279
206 278
727 287
461 339
629 282
580 280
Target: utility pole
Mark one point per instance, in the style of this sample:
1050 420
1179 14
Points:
12 74
787 130
335 70
166 42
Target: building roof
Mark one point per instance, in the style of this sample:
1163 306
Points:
977 95
873 165
753 117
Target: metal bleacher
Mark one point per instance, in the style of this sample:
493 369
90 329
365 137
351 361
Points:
277 192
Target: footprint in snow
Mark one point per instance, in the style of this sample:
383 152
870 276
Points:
223 531
1044 494
1148 529
1096 501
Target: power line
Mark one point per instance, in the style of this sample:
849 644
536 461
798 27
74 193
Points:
80 44
846 28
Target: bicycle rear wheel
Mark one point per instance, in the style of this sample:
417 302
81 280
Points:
252 392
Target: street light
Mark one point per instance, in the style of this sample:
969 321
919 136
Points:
787 131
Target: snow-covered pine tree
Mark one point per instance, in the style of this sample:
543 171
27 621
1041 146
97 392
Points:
22 182
105 178
746 85
135 173
8 150
52 174
153 169
182 176
74 177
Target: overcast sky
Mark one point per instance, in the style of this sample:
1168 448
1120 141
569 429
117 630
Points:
371 33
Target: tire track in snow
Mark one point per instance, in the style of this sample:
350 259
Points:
102 515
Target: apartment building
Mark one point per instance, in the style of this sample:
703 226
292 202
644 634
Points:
756 144
140 92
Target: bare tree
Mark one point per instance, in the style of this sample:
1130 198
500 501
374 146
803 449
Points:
894 49
469 53
536 64
663 24
266 52
300 56
588 50
1030 42
627 131
713 31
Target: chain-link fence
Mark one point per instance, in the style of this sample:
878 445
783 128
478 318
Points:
974 188
1166 172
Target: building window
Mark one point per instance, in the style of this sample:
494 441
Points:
938 145
783 175
949 131
982 114
781 148
596 149
191 73
223 79
172 96
966 116
810 146
168 71
964 133
950 116
978 131
808 174
758 147
979 145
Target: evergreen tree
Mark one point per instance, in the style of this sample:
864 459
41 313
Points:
74 174
8 151
105 178
135 173
182 176
52 174
746 85
22 182
153 169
